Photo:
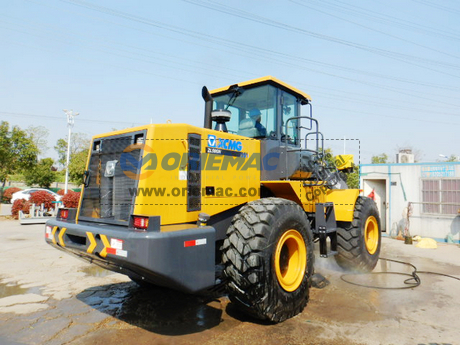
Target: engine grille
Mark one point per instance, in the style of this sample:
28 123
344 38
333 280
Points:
107 197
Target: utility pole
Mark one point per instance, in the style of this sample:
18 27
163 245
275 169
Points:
70 122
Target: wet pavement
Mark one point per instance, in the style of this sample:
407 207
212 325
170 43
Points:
49 297
14 289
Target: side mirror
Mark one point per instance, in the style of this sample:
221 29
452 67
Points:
86 178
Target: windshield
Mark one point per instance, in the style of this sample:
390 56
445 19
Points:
253 111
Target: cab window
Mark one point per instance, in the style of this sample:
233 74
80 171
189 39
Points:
289 128
253 111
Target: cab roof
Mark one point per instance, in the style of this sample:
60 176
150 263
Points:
305 98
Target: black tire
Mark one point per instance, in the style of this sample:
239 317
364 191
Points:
265 231
358 248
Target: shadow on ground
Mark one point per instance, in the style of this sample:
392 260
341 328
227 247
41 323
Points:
155 309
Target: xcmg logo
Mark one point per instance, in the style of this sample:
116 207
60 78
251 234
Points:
226 144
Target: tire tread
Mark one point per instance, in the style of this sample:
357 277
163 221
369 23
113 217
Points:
244 252
352 253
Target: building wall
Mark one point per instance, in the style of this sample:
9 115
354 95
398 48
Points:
403 184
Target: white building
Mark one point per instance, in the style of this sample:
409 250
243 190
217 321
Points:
432 190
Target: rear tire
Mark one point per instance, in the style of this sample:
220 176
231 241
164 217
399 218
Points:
359 242
268 257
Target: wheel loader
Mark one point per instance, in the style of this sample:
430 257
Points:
236 204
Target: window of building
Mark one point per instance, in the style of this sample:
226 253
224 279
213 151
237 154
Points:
441 196
430 196
450 196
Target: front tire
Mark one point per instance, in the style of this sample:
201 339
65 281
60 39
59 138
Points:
268 257
359 242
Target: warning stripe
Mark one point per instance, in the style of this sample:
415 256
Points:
193 243
112 251
92 242
53 233
106 243
117 252
61 235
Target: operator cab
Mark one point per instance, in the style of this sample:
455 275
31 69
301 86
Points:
264 108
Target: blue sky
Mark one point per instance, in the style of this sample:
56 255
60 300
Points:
384 72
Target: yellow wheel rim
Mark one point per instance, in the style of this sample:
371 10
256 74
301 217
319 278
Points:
371 235
290 260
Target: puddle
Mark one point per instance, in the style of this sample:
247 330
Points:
158 310
397 274
9 289
392 266
389 280
96 271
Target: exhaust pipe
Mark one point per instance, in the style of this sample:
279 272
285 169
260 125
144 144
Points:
207 108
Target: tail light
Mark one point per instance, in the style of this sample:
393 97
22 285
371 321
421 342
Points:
64 214
141 222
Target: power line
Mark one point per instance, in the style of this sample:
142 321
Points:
378 17
105 63
371 99
376 30
388 105
409 59
100 44
240 46
246 15
372 84
243 47
438 6
391 116
62 118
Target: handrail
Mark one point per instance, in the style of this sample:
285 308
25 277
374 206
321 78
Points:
317 133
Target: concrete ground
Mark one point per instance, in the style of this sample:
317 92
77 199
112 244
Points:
49 297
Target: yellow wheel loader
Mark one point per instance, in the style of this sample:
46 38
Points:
236 204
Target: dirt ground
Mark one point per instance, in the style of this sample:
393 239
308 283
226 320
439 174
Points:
49 297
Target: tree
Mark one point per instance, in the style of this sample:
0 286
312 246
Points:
17 151
329 157
42 174
353 178
79 142
380 159
78 154
39 136
77 166
452 158
61 148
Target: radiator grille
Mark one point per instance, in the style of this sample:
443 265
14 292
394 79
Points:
107 197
